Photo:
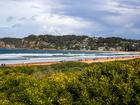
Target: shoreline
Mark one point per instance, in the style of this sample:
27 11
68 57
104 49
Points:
73 50
88 61
110 59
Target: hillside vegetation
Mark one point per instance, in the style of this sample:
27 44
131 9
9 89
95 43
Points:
72 83
71 42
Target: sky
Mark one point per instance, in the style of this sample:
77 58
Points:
100 18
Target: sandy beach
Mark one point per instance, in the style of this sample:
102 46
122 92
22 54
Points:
110 59
82 60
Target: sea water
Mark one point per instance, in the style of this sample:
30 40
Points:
20 56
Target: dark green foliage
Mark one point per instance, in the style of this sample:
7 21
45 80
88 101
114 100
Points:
72 83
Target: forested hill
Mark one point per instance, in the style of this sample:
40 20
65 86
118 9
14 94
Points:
71 42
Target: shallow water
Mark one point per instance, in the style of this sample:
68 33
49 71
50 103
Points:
16 56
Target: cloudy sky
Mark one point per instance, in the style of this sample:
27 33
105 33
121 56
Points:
120 18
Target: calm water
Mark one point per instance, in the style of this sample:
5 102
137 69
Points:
15 56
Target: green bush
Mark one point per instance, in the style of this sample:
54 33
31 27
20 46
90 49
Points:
72 83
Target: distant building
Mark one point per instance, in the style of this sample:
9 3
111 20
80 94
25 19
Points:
119 48
102 48
112 49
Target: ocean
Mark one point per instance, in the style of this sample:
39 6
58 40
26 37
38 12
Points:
20 56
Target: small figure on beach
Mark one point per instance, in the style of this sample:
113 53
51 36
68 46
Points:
3 65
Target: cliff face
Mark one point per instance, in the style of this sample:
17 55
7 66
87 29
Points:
70 42
2 44
5 45
19 43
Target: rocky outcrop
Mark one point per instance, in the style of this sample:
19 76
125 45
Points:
5 45
2 44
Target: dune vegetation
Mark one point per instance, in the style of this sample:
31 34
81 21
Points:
72 83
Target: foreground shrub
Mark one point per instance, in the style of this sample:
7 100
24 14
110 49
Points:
114 83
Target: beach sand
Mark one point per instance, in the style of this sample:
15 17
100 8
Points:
110 59
82 60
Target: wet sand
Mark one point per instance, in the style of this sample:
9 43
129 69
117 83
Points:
82 60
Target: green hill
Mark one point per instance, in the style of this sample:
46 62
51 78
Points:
71 42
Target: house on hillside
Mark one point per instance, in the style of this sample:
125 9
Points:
101 48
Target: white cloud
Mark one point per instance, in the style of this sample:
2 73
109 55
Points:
40 13
125 16
63 24
52 16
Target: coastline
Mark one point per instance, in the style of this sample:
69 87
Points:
111 59
73 50
88 61
84 60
